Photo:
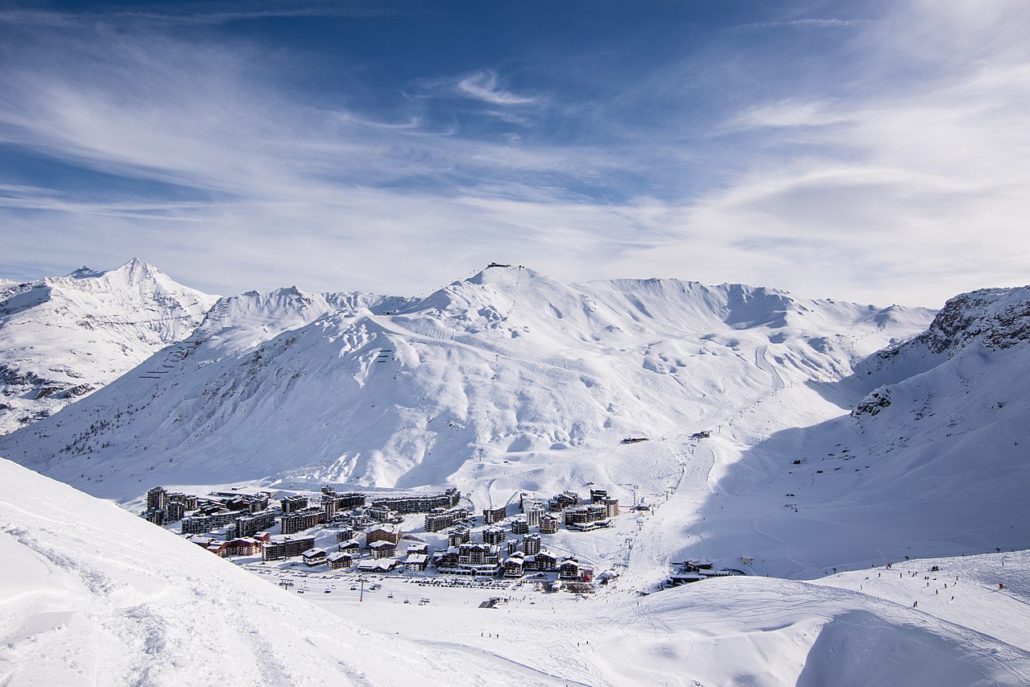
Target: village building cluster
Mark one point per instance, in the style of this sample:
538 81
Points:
356 532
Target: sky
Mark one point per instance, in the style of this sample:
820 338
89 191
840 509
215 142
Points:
870 151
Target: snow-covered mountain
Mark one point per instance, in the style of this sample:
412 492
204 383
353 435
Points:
62 338
507 380
932 457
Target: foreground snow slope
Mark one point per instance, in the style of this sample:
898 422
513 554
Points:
857 628
508 380
64 337
92 594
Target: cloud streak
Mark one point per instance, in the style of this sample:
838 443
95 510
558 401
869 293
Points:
483 86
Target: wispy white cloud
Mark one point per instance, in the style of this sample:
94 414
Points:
901 176
482 85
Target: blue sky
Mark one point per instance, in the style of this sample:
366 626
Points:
875 151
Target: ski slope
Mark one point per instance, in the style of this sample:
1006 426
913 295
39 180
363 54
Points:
95 595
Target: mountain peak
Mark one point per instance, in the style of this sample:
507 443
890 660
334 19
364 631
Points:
137 267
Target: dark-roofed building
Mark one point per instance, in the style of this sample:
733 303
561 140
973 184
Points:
298 521
382 549
548 524
292 504
492 515
314 557
279 546
382 533
249 525
338 560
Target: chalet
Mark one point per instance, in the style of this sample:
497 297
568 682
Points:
569 569
351 547
470 559
243 546
446 559
415 562
548 524
382 549
200 540
314 557
380 565
382 533
218 548
514 565
544 561
339 560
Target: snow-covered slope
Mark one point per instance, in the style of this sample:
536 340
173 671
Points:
64 337
240 323
904 626
95 595
507 380
932 459
92 594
